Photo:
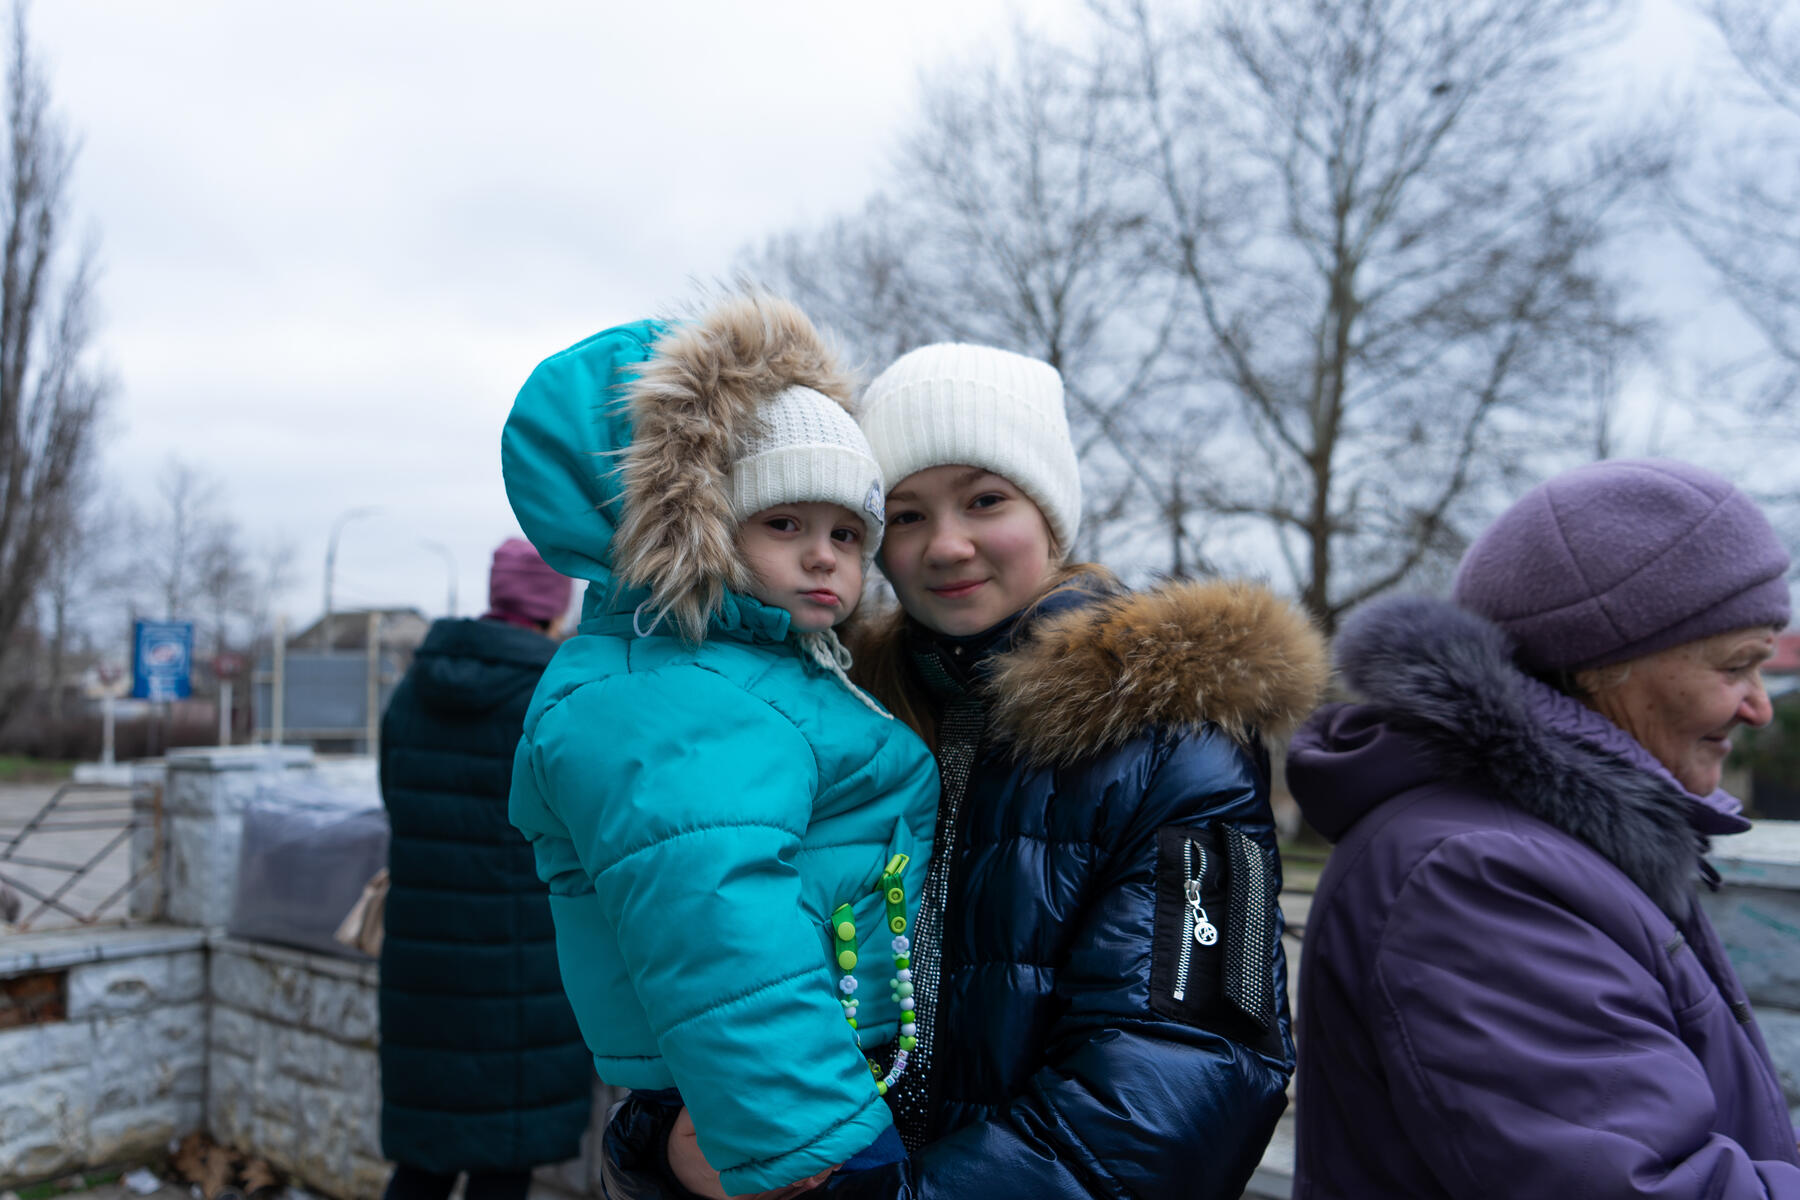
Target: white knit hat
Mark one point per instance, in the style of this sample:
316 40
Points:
953 404
807 448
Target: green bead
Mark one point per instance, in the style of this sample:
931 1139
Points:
895 895
846 932
847 960
905 989
875 1070
880 1088
902 962
852 1021
908 1043
898 924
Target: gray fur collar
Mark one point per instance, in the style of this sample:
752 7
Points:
1447 676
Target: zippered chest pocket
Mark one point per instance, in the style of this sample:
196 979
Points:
1214 940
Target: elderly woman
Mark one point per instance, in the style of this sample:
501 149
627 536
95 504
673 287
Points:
1508 988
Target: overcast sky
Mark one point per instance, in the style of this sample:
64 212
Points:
336 237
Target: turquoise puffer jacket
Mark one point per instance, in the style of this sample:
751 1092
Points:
699 808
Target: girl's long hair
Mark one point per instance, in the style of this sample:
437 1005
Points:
883 668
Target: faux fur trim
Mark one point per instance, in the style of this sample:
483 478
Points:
1181 655
692 404
1447 676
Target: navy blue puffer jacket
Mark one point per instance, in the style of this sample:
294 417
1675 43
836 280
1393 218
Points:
482 1066
1086 1042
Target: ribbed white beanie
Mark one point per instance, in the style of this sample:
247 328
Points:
806 447
952 404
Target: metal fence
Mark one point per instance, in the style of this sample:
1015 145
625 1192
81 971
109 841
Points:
70 859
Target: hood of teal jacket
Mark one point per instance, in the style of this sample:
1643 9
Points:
561 450
617 459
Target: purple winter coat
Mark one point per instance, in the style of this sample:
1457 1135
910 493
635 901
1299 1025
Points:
1507 987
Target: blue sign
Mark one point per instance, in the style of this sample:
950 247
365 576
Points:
162 660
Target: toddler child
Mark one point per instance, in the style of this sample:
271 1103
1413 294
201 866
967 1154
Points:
734 836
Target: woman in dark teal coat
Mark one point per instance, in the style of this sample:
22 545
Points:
482 1067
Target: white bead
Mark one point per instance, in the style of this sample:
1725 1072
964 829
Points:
847 984
901 945
906 1003
905 975
908 1030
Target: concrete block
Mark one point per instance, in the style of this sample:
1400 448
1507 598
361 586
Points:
34 1050
281 991
323 1155
148 1057
213 780
230 1099
347 1008
279 1141
136 984
367 1177
362 1111
43 1125
136 1132
202 867
235 1031
316 1060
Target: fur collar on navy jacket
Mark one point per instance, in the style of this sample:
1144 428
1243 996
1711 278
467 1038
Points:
1447 676
1178 656
692 405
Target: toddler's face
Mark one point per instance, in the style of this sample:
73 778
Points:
806 559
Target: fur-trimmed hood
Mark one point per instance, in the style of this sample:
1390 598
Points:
617 455
1445 702
1097 675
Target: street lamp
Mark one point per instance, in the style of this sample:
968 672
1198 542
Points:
337 527
450 568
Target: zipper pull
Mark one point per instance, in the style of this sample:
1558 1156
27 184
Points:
1205 932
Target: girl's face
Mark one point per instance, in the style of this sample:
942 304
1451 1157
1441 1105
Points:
964 548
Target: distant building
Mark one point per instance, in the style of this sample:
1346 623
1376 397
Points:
335 681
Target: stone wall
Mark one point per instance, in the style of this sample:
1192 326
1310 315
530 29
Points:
123 1069
199 820
292 1063
295 1073
1757 914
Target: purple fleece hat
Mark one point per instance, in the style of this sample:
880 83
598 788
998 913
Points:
1623 558
522 589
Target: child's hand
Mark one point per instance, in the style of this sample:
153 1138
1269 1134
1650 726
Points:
695 1174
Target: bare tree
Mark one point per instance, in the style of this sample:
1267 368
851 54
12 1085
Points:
50 391
1394 236
190 561
1737 205
176 535
73 574
1324 280
1014 220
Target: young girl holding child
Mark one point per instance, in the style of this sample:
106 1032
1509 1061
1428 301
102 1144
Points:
734 836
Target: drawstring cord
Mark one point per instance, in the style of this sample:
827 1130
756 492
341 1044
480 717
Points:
831 655
637 614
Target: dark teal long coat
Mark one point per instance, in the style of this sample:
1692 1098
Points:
482 1065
